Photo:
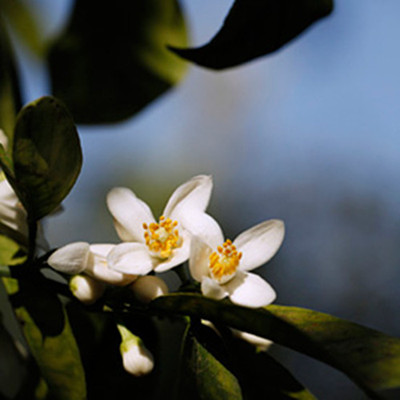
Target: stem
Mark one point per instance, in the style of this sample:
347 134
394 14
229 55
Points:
181 272
32 239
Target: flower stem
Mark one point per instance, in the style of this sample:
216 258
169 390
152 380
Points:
32 239
182 274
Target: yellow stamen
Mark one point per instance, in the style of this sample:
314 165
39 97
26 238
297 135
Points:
223 266
162 237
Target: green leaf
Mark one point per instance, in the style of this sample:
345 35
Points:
370 358
46 156
52 344
202 375
9 89
11 252
22 22
254 28
113 59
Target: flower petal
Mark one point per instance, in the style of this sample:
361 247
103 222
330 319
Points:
259 243
71 259
12 213
129 213
131 258
195 194
212 289
202 225
101 249
199 259
249 290
98 268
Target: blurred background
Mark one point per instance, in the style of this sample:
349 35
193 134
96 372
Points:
310 135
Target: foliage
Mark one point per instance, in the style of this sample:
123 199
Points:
111 61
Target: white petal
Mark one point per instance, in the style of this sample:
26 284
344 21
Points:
137 359
259 243
194 194
12 213
212 289
147 288
130 213
98 268
71 259
202 225
131 258
3 139
249 290
199 259
102 249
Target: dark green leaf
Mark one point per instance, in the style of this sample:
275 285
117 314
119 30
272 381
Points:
113 60
204 377
52 344
46 156
254 28
262 377
370 358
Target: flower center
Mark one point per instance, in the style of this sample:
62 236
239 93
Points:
224 262
162 237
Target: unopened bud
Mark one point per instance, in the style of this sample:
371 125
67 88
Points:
136 359
71 259
147 288
259 342
86 289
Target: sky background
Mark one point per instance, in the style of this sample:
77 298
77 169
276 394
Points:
310 135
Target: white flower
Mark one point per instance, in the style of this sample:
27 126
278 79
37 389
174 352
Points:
222 267
137 360
159 246
86 289
12 213
147 288
81 257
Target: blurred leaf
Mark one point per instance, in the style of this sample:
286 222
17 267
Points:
254 28
21 20
53 347
370 358
46 156
10 100
113 60
203 376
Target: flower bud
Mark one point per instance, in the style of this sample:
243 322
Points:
147 288
71 259
86 289
136 359
259 342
